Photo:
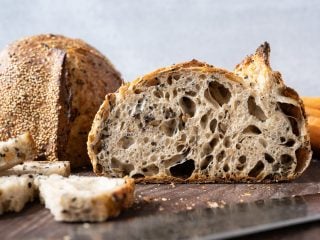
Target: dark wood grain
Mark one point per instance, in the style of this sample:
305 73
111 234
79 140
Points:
36 222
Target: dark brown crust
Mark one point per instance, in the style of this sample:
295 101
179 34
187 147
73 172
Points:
121 198
78 80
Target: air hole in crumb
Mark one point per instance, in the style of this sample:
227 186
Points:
125 142
255 110
240 167
205 162
167 95
256 170
282 139
150 170
158 93
290 143
208 147
204 121
286 159
188 106
268 158
180 147
137 175
176 158
176 77
145 140
251 129
222 127
227 142
174 92
183 170
191 93
221 155
169 127
242 159
219 92
294 115
169 80
238 146
226 168
213 125
192 139
181 124
125 168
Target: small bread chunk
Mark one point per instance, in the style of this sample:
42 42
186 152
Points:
15 192
193 122
40 168
16 150
92 199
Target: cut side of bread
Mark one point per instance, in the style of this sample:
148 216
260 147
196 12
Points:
39 168
193 122
90 199
16 150
15 192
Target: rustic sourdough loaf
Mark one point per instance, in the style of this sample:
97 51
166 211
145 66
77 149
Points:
16 150
92 199
52 86
198 123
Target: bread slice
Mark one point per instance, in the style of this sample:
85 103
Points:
15 192
53 86
90 199
16 150
45 168
193 122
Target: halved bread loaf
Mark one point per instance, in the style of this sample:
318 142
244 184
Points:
15 192
45 168
52 86
16 150
92 199
198 123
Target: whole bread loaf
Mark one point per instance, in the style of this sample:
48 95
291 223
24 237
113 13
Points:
52 86
197 123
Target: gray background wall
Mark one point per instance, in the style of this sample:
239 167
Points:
142 35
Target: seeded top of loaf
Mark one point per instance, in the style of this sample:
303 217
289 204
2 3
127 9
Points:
195 122
46 81
23 71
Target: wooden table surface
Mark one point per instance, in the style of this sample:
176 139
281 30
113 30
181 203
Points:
36 222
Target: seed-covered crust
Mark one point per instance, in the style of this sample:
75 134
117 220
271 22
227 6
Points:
52 86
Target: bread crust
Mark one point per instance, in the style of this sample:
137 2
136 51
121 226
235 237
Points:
260 58
75 78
